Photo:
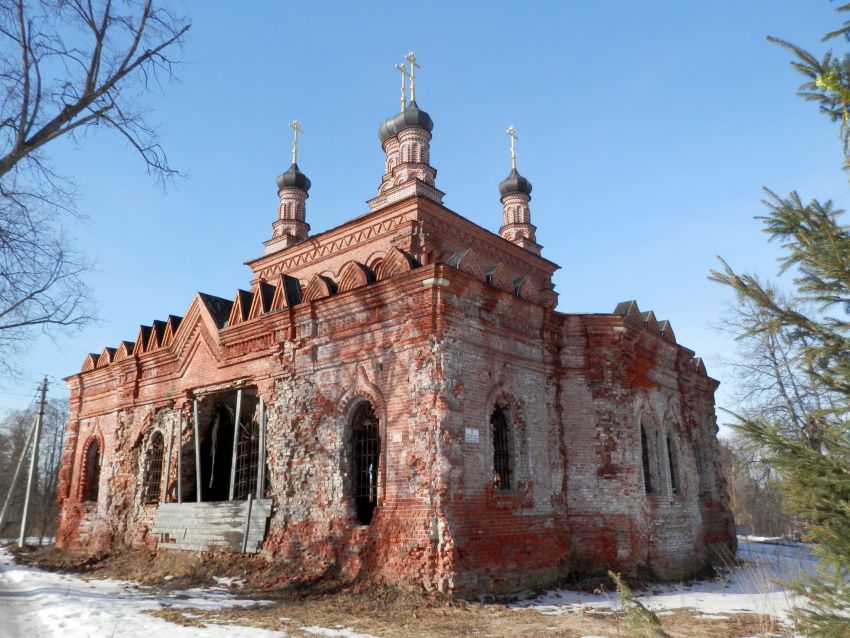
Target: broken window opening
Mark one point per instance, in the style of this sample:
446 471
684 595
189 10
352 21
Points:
671 462
247 459
366 451
153 469
502 469
216 430
91 472
644 452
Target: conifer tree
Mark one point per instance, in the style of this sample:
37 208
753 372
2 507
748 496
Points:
816 316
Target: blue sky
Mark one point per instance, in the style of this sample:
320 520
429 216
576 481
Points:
647 130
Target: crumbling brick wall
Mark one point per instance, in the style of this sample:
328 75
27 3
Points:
435 350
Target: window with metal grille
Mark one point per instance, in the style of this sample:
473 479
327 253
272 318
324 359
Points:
366 452
247 457
644 452
153 468
502 462
671 461
91 472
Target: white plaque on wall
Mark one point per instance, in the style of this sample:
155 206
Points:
470 435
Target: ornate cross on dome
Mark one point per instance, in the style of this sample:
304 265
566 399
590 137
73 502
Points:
403 69
411 57
512 134
296 128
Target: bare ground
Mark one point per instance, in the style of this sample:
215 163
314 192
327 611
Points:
327 601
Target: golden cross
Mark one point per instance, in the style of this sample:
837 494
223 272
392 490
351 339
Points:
411 57
296 128
512 134
403 70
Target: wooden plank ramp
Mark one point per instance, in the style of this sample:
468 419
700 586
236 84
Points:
212 526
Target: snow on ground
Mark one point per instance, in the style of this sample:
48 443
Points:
39 604
751 588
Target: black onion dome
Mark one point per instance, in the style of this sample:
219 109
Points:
412 115
293 178
387 129
515 183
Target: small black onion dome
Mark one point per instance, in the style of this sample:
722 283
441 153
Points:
412 115
515 183
293 178
387 129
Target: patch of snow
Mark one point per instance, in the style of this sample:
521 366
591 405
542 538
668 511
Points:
29 540
229 581
45 604
755 587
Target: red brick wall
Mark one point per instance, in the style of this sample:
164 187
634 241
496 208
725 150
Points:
434 350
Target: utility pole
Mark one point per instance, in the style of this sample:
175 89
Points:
33 462
16 475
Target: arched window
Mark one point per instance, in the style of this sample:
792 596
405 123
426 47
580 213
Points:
644 453
365 457
673 465
502 461
153 469
91 472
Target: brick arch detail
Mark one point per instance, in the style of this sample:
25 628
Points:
673 414
643 409
646 417
501 396
681 438
95 437
375 258
147 437
362 389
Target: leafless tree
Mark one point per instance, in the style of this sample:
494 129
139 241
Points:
13 436
754 495
773 378
66 66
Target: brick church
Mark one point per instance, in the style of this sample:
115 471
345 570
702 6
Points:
397 400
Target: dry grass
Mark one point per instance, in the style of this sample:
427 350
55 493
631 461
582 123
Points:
325 601
407 617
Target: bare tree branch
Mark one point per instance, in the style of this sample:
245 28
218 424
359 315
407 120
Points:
66 66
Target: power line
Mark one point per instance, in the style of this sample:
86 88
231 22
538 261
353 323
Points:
16 394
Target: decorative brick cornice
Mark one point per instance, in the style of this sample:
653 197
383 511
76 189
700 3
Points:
324 245
414 188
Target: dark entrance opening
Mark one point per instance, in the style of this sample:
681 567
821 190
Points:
91 473
216 454
366 452
217 425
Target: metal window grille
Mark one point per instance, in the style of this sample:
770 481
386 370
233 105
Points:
153 469
247 458
501 450
91 476
674 475
644 452
366 442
